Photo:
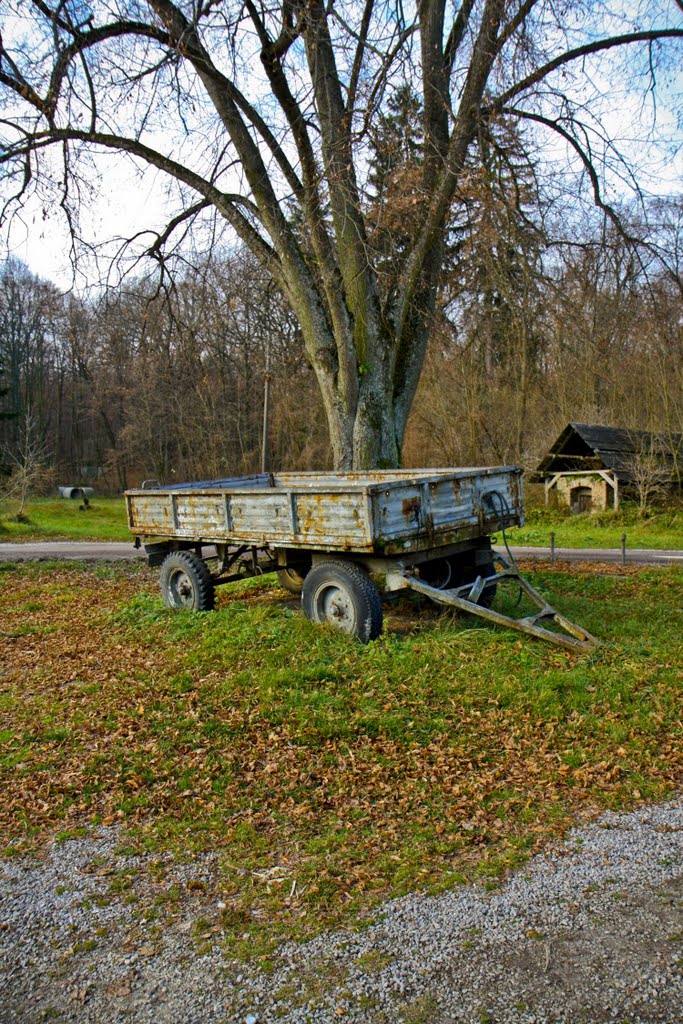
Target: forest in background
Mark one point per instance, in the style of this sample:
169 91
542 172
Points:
529 334
465 207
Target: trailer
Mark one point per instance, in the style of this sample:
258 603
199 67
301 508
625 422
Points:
345 542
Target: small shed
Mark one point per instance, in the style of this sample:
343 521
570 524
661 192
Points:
591 466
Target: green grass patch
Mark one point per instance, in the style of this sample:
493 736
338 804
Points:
66 519
326 775
661 529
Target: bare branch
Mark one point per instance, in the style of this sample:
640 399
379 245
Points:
358 57
228 204
515 23
586 160
154 250
457 33
599 46
22 89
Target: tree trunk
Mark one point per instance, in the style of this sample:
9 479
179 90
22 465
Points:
377 440
367 422
369 436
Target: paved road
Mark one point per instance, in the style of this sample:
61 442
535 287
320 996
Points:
635 556
58 550
99 551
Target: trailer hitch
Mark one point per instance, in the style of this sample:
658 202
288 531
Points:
465 597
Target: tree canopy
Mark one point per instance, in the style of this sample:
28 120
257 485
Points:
267 116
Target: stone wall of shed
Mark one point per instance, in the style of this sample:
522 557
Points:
601 492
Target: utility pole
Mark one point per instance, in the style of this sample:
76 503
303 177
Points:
265 446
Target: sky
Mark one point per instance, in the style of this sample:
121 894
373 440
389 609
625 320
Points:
124 204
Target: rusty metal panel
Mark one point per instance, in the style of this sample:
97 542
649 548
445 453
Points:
223 483
151 512
450 500
398 511
410 509
261 514
200 515
358 479
505 484
333 517
430 510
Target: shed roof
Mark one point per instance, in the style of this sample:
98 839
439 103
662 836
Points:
582 447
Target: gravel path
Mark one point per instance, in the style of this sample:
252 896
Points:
590 931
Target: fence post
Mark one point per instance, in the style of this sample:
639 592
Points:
623 549
552 546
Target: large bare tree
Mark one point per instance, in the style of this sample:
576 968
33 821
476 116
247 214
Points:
262 113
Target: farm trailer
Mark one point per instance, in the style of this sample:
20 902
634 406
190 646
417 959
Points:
344 541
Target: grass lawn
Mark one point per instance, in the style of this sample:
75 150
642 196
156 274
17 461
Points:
663 529
66 519
327 775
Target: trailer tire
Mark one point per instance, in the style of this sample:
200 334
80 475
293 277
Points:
343 595
438 573
186 582
292 580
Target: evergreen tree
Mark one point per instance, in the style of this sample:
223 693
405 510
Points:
396 200
396 140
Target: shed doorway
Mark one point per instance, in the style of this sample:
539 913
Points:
580 499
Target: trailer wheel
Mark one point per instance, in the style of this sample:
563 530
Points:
438 573
291 579
186 582
343 595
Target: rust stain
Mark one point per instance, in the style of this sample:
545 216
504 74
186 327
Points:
411 507
429 528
